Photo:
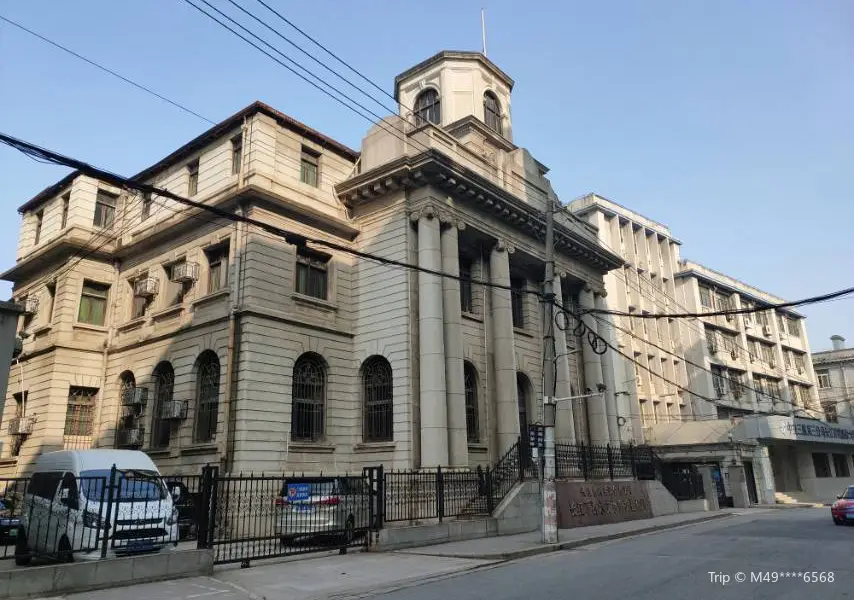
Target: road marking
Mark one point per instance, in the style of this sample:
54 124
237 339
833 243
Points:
211 593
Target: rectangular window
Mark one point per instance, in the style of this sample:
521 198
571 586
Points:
840 465
146 205
712 341
51 297
39 222
723 302
466 295
706 297
309 162
719 381
794 326
193 178
66 200
217 267
747 305
177 290
790 363
795 396
93 303
823 379
762 318
759 388
80 413
821 464
312 274
800 366
517 302
105 210
781 323
736 384
236 154
773 387
768 355
141 304
830 414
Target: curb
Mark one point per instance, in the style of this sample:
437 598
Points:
798 505
544 549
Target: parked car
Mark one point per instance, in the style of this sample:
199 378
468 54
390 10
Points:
842 510
336 508
9 525
187 503
66 505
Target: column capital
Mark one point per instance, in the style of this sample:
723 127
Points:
450 220
502 245
429 211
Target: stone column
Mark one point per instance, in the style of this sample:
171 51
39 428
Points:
565 423
710 490
431 344
454 378
596 416
738 486
504 349
608 375
765 473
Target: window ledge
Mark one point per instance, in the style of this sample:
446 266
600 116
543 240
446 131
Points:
41 330
8 462
168 312
311 300
477 447
472 316
212 296
523 332
155 452
87 326
205 448
132 324
318 447
375 447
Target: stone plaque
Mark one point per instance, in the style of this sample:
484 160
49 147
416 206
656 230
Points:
581 503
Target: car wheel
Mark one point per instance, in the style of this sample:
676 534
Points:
22 551
64 554
837 521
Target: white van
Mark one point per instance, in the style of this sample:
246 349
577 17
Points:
66 505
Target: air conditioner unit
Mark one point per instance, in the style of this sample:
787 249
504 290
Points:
131 436
767 330
185 272
135 395
734 354
30 305
21 425
174 409
145 287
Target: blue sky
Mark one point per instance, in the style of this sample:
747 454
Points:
731 122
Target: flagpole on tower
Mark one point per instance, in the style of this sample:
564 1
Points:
483 28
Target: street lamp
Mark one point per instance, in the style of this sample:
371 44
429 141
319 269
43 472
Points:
549 491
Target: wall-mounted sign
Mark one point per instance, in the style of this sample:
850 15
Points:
597 502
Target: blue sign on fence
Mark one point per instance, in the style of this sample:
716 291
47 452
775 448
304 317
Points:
299 491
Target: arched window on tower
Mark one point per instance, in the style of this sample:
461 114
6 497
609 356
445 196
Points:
492 112
427 108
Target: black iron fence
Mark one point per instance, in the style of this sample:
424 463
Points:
591 462
683 485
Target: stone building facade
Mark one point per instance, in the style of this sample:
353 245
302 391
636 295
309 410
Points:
202 340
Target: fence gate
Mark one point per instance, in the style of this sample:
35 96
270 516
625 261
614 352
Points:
252 517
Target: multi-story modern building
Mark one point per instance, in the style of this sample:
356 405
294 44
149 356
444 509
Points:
719 389
202 340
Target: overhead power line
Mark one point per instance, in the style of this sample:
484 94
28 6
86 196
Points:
290 237
107 70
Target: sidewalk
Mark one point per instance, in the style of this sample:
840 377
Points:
528 544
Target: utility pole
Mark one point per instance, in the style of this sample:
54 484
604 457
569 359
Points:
549 525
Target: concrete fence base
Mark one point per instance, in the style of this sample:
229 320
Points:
55 580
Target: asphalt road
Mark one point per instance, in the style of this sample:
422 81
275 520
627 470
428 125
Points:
677 564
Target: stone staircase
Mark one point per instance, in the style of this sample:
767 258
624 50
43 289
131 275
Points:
796 498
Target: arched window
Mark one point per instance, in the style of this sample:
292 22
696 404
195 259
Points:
127 384
164 386
492 112
129 410
427 108
308 397
377 419
472 418
207 396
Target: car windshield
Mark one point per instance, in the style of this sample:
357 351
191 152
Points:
132 485
848 494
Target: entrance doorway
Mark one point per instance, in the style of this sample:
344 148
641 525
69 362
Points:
750 479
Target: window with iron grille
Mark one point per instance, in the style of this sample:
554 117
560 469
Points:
193 178
830 414
492 112
781 323
236 154
146 205
795 395
719 381
759 388
312 274
164 387
308 398
93 303
768 354
517 302
105 210
823 379
472 416
773 387
207 396
127 383
736 383
140 305
427 108
800 366
794 325
377 390
466 295
309 163
217 267
80 412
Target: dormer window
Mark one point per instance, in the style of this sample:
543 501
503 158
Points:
492 112
427 108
